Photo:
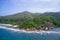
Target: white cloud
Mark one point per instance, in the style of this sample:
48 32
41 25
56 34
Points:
53 5
42 10
41 0
46 0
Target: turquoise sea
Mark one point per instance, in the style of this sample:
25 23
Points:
7 34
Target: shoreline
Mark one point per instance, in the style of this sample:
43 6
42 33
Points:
37 31
16 27
22 30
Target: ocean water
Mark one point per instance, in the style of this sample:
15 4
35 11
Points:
13 34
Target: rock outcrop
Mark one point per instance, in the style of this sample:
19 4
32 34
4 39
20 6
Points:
48 26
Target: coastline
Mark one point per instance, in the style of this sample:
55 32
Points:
24 31
21 30
16 27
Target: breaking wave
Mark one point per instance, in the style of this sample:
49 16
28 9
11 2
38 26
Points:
39 32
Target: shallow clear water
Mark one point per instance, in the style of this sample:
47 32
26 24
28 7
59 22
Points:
6 34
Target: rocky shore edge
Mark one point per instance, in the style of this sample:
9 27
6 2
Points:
28 29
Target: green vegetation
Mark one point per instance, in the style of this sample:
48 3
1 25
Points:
29 20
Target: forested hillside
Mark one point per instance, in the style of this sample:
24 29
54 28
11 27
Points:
32 20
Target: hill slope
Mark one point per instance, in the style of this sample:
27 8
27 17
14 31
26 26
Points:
28 15
54 14
32 20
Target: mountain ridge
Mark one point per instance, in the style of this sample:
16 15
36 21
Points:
32 15
32 20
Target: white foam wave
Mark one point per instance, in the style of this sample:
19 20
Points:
39 32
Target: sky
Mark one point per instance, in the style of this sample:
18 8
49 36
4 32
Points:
8 7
